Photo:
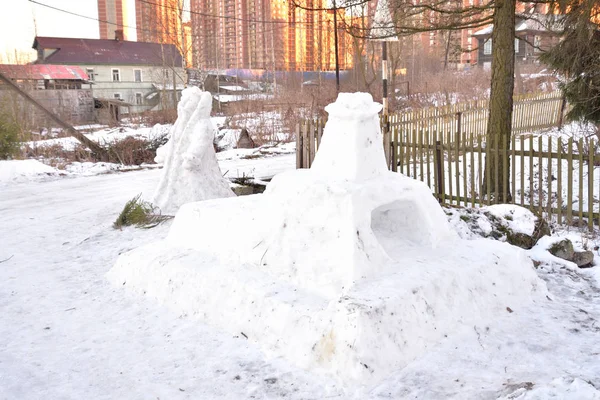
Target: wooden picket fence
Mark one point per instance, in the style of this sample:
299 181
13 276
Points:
552 175
530 113
548 174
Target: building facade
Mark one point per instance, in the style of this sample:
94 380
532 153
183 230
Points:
147 76
532 39
62 89
116 15
164 21
266 35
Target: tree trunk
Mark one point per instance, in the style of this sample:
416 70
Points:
497 162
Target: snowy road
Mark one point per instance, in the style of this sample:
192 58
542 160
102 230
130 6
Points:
65 333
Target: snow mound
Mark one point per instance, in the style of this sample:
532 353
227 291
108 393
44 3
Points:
191 171
518 219
17 171
560 388
91 169
491 221
345 267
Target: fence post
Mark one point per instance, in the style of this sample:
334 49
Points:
458 128
561 112
386 139
439 163
298 147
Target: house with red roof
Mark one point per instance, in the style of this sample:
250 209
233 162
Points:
62 89
146 76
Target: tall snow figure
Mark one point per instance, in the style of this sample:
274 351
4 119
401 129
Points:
191 171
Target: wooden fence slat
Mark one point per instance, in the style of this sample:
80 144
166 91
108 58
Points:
464 161
559 181
480 173
522 174
513 163
590 185
306 147
395 146
540 176
299 145
428 160
420 149
457 166
311 140
570 181
319 132
550 175
580 160
449 157
471 144
402 142
531 205
413 160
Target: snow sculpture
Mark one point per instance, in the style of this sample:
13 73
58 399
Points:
346 266
191 171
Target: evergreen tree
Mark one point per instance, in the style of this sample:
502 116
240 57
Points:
577 59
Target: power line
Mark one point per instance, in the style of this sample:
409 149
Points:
317 28
208 34
216 16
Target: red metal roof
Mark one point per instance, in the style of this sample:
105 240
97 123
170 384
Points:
43 71
109 52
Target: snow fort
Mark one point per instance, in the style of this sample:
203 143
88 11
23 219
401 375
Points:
345 267
191 171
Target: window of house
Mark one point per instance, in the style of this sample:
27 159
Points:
138 98
487 47
137 75
90 72
116 75
117 96
517 45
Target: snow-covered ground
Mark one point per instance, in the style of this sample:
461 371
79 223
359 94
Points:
66 333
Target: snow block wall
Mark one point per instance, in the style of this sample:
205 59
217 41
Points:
191 171
346 267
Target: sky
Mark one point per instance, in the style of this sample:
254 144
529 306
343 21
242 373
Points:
17 27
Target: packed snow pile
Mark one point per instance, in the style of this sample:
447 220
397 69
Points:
505 222
345 267
191 171
16 171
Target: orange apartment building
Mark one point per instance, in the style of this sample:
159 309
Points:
265 34
113 16
151 21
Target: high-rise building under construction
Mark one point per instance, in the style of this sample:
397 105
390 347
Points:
265 34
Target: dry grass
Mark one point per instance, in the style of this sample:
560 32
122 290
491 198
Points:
140 213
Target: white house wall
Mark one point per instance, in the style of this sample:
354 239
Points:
127 87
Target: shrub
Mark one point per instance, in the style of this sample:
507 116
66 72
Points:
140 213
9 138
134 151
56 154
